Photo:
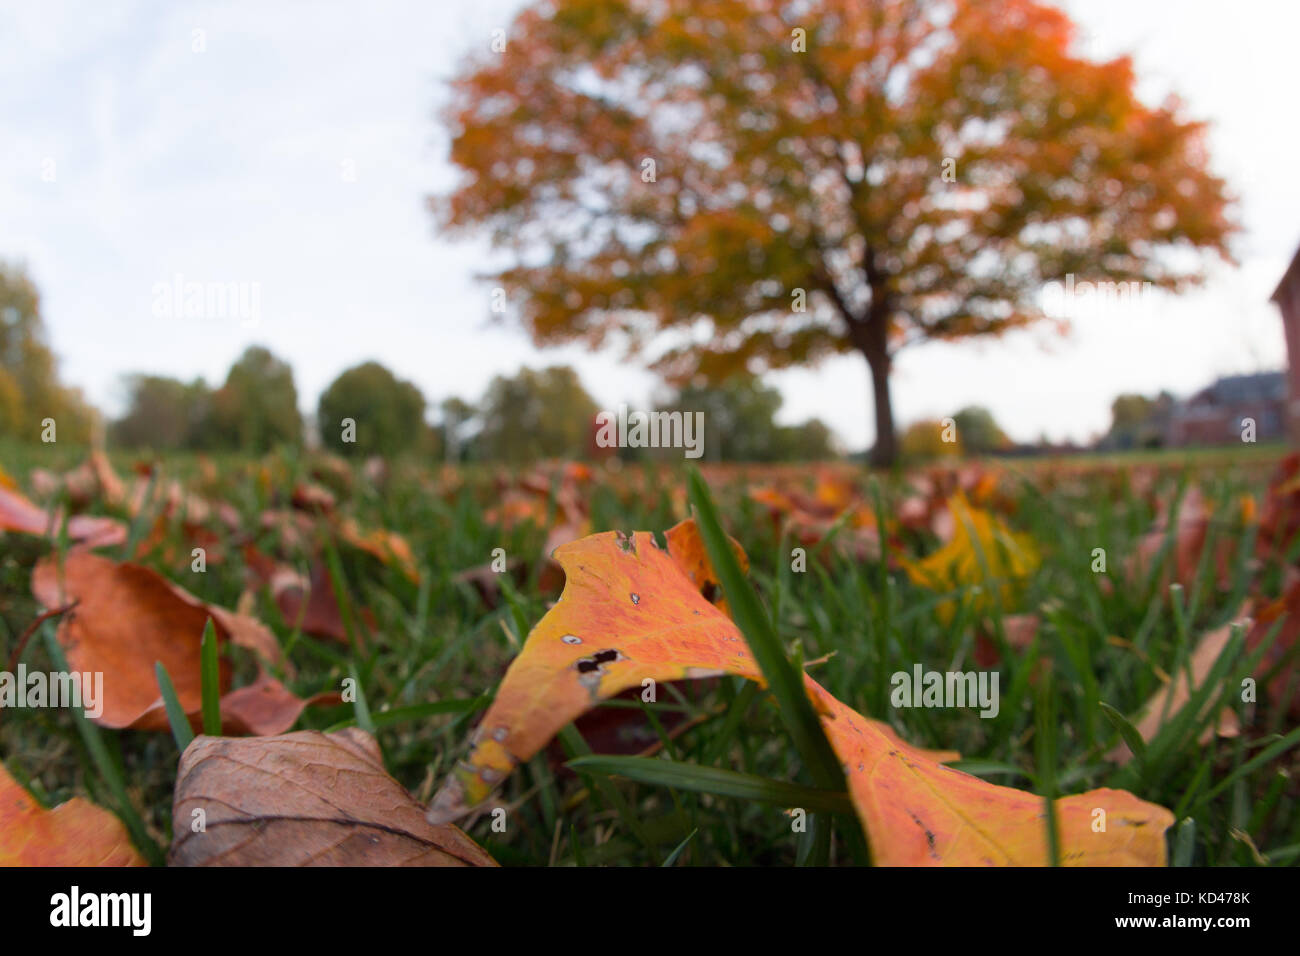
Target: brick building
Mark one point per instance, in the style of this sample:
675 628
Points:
1214 415
1287 297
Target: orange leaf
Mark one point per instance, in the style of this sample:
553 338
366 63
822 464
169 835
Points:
128 617
19 514
630 613
76 833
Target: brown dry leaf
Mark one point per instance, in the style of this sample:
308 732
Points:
835 504
76 833
312 498
304 799
1203 658
1287 609
1191 529
312 605
1279 516
266 707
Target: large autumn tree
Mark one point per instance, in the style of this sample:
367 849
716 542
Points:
760 184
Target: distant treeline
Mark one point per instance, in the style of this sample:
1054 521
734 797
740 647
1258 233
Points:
367 410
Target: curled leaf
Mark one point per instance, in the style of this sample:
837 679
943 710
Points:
127 618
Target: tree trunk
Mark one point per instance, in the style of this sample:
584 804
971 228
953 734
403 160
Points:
885 452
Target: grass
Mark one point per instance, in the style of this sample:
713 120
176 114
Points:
717 792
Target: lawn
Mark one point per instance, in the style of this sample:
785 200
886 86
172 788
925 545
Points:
850 571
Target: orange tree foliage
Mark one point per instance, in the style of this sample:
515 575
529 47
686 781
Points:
919 169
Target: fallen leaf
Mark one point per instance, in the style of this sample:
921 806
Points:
387 547
313 498
304 799
75 833
312 604
1190 535
686 547
17 513
982 552
918 812
266 707
1282 689
128 617
630 613
1169 700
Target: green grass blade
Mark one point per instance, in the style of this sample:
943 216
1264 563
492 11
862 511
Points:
785 683
364 720
180 724
716 781
1132 739
210 681
672 857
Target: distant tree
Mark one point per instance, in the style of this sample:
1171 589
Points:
739 417
740 423
924 440
1138 421
388 412
30 391
164 413
536 414
257 408
979 433
810 441
803 180
11 404
456 414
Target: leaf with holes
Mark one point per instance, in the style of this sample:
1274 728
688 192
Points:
630 613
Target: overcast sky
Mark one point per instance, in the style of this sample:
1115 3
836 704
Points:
290 146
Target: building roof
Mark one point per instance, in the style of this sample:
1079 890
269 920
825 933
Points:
1235 389
1289 277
